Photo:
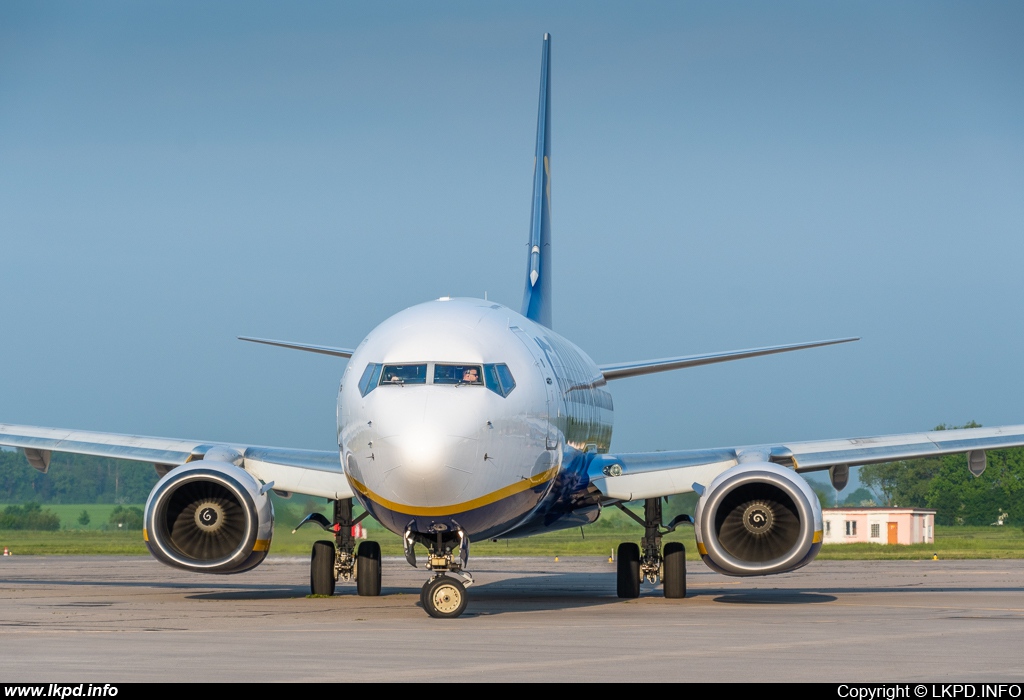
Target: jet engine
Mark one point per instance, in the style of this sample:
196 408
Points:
209 516
758 518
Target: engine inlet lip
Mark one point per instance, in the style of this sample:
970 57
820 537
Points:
737 567
159 536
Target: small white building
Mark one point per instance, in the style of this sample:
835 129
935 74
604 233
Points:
878 525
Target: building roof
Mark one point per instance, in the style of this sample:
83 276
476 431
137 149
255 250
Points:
876 509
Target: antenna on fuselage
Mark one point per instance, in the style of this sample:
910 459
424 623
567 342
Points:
537 297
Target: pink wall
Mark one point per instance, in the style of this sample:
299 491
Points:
912 525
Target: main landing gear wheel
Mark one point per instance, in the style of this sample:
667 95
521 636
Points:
368 569
321 568
443 596
673 575
628 570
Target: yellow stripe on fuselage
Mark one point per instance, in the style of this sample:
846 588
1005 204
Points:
486 500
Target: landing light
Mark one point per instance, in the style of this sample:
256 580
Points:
612 470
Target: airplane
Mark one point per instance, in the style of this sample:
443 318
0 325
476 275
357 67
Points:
462 420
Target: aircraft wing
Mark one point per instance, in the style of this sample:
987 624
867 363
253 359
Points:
621 370
307 347
310 472
637 475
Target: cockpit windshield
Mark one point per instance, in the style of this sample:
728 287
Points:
403 374
495 377
458 374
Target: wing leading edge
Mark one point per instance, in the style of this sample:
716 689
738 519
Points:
307 347
310 472
637 475
621 370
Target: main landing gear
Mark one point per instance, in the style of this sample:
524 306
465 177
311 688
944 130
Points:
340 560
444 594
648 561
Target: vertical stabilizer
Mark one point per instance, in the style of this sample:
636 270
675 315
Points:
537 298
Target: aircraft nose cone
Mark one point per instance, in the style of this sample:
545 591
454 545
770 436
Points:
427 468
430 446
421 450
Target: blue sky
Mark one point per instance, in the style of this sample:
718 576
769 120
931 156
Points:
725 175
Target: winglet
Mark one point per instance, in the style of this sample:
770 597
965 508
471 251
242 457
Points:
537 297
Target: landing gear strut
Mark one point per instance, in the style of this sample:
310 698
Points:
444 594
647 562
339 560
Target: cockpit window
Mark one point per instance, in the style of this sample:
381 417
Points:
371 375
403 374
457 374
499 379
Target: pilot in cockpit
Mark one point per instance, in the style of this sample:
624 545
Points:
471 375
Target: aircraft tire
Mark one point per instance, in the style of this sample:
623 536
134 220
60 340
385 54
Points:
628 570
368 569
444 597
321 568
673 577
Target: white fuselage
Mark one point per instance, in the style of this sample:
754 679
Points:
425 450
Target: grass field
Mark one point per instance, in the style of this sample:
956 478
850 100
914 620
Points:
599 539
950 543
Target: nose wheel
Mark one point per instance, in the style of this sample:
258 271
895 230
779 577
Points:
443 597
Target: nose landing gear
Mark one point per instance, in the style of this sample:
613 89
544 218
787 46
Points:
443 595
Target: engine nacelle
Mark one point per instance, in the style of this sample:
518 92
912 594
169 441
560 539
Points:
209 517
758 518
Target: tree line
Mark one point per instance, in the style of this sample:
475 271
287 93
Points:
74 479
32 516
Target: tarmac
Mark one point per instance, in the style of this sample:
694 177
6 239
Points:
118 619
